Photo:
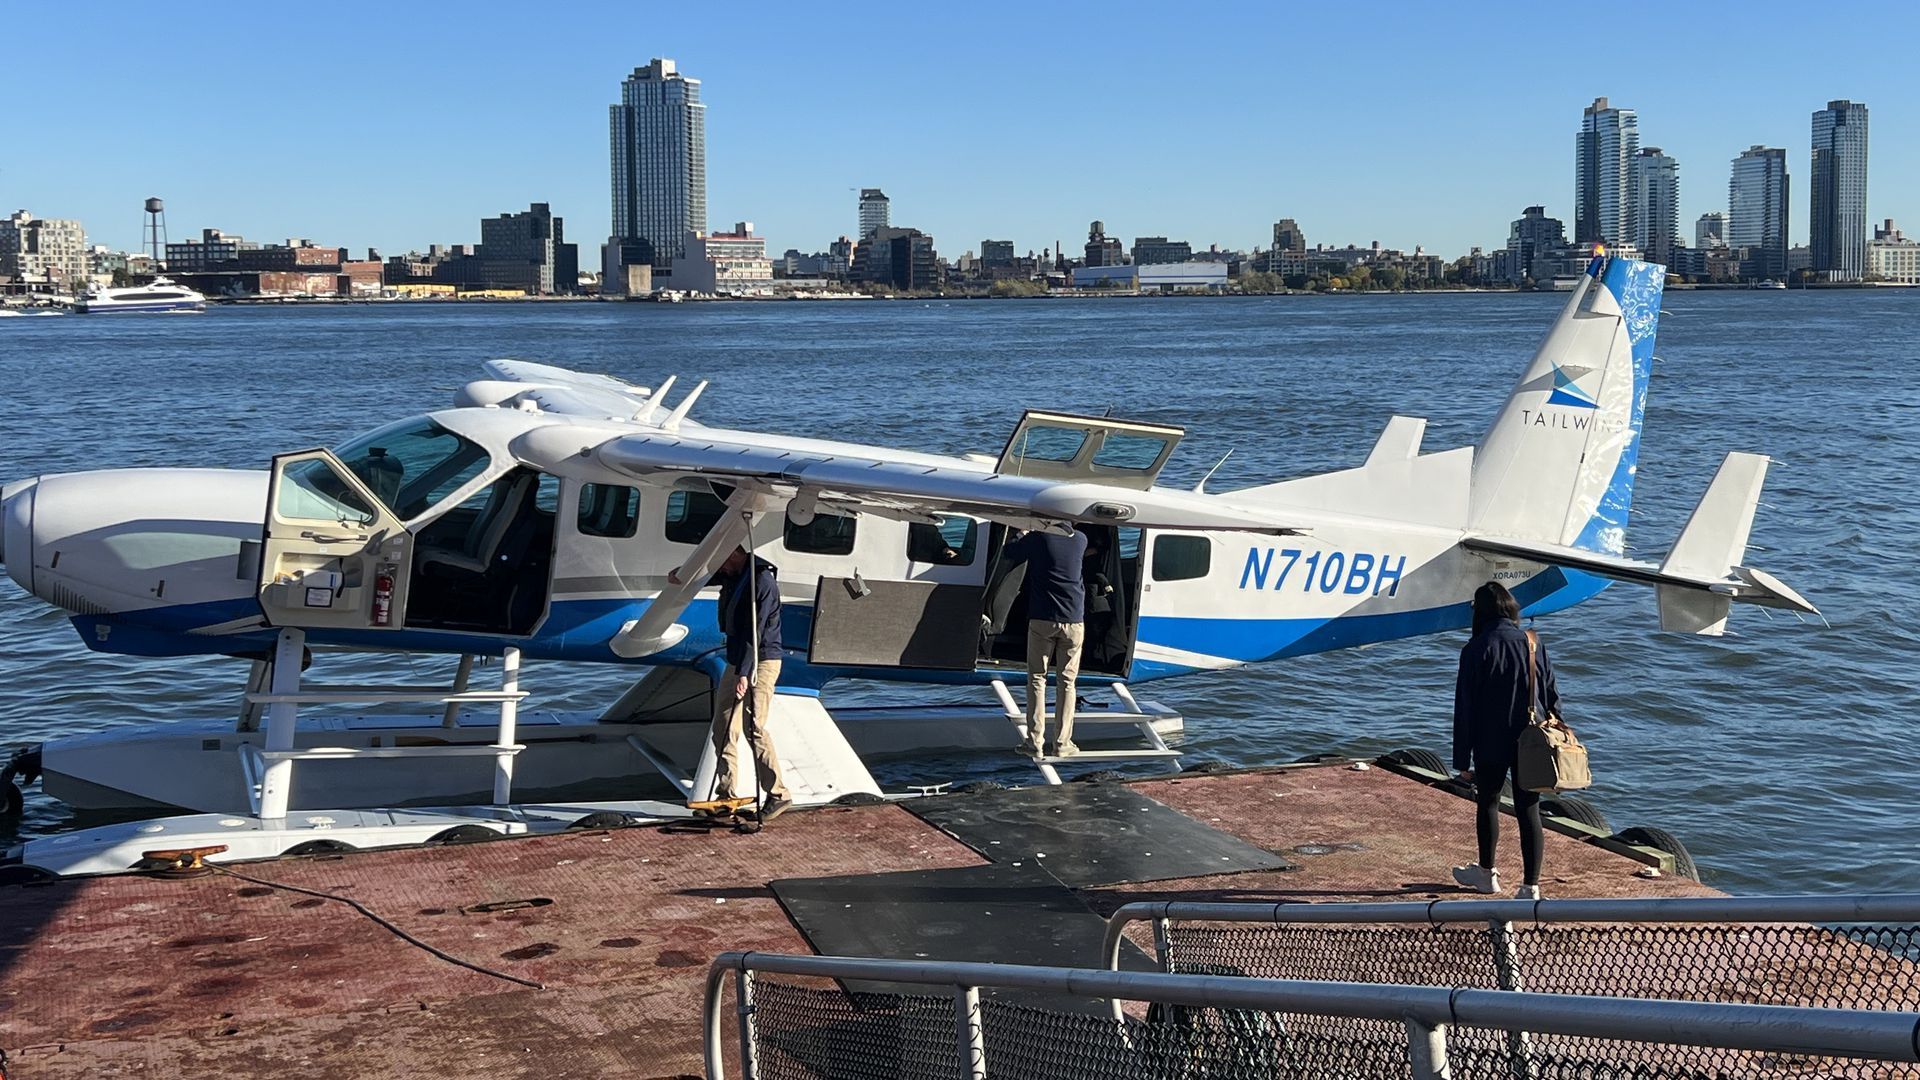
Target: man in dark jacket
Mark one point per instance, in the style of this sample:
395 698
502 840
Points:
749 615
1056 629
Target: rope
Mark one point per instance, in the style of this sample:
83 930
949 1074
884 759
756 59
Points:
371 914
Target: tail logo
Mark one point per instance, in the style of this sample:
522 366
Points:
1562 385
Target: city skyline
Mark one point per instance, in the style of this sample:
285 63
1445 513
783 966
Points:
994 143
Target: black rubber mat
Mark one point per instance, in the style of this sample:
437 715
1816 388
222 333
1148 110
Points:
1091 834
998 913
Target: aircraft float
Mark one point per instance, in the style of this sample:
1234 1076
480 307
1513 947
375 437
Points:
554 515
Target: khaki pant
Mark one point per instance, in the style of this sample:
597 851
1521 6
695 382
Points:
1056 644
727 719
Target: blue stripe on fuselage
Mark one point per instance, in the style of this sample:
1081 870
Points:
579 630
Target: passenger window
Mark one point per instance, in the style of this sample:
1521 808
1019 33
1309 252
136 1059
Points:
546 495
1129 543
609 510
691 515
826 534
949 543
1181 558
1124 451
1050 443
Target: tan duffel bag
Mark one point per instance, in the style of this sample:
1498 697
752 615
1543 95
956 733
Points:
1551 757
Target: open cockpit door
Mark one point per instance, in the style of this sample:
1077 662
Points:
1060 446
334 555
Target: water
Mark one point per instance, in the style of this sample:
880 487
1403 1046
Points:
1780 755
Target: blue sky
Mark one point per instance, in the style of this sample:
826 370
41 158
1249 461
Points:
1406 123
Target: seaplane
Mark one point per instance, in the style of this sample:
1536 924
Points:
552 515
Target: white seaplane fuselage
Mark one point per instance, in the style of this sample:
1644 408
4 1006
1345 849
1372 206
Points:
554 516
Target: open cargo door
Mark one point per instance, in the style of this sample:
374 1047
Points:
334 555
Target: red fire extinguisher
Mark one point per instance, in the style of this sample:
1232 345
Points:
383 596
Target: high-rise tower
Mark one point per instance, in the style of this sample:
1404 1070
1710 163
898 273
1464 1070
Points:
1656 205
1757 210
1838 229
1608 141
874 211
659 152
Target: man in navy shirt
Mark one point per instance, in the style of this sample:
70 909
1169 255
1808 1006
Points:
750 618
1056 628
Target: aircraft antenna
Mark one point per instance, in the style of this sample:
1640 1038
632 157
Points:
645 414
672 422
1201 487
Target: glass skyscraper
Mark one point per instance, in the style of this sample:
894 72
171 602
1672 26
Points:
1656 205
659 142
1608 141
1757 210
1838 229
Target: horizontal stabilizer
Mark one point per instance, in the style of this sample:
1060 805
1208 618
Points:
1695 613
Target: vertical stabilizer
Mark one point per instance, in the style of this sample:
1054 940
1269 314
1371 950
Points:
1557 465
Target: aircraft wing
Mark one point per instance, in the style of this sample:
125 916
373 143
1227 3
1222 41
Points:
522 384
861 480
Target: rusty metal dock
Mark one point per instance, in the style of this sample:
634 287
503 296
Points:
220 976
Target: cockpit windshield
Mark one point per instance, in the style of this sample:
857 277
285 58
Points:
413 465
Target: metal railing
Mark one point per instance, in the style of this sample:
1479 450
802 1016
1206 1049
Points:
971 1031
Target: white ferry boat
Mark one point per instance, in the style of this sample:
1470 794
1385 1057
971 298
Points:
159 295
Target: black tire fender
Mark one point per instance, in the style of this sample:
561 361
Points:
1662 840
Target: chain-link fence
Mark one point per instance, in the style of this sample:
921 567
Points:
1842 967
1214 1027
805 1033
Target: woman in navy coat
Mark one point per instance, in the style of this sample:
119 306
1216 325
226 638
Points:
1491 702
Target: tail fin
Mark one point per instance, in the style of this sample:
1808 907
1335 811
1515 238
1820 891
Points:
1557 465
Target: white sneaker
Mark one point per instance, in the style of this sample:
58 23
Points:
1478 878
1528 892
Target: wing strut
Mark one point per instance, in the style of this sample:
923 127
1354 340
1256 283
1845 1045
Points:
658 627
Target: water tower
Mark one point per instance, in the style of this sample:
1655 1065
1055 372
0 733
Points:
156 234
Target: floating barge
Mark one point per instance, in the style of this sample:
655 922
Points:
217 975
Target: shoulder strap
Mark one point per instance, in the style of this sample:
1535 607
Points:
1533 694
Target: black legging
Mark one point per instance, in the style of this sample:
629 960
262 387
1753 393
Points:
1526 807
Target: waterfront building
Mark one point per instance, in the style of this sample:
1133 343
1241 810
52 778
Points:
1656 204
1154 277
1608 141
730 263
875 211
1532 235
295 254
659 159
1838 228
996 253
1710 230
897 258
829 264
1287 236
44 251
1893 257
1102 250
214 250
1757 211
1151 250
528 251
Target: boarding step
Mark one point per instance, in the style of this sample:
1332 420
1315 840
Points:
1108 755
